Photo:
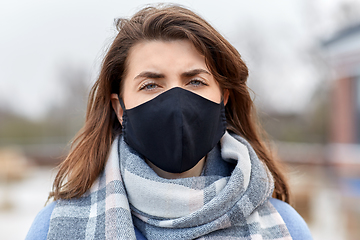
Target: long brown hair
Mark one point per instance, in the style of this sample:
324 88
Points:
90 149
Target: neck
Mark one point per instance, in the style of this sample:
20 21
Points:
193 172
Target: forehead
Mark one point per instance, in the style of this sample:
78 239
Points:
157 53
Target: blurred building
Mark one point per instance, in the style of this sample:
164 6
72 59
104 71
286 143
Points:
343 150
325 175
343 54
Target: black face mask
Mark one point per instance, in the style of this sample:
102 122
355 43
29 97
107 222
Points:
174 130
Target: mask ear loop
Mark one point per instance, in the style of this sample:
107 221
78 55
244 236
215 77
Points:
121 103
123 108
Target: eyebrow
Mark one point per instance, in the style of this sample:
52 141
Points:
153 75
194 72
148 74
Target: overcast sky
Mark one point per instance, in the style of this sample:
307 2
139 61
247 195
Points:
39 37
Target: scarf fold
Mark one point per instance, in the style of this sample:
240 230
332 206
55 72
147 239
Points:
230 200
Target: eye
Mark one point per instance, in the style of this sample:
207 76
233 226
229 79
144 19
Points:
148 86
197 82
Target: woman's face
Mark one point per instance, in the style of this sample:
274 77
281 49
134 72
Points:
154 67
157 66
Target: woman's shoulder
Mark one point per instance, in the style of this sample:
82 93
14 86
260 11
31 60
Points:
40 225
294 222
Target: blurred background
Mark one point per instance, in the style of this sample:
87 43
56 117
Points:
304 61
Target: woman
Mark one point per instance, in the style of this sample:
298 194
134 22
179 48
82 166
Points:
170 148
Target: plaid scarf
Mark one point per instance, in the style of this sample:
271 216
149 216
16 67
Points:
230 200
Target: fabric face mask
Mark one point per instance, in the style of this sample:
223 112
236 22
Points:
174 130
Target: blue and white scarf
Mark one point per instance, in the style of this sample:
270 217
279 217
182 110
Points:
230 200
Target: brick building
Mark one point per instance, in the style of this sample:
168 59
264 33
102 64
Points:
343 53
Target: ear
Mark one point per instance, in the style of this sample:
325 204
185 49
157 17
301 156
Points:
116 106
226 96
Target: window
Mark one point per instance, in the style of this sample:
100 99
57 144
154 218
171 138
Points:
357 107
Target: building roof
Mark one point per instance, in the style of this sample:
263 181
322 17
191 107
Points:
343 34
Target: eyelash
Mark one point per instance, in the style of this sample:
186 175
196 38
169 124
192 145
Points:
202 82
145 85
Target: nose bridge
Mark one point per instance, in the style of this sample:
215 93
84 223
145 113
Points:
174 81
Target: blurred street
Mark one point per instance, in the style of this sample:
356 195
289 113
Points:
318 196
21 200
